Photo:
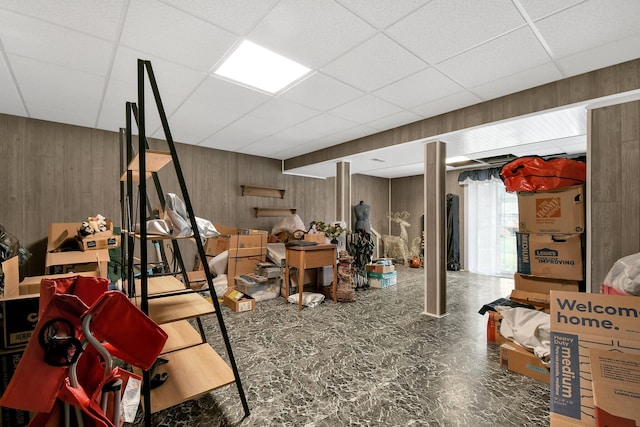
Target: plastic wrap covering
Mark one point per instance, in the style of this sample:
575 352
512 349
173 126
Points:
624 276
290 224
534 173
10 247
177 218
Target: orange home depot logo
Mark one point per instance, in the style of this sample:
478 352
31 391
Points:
548 208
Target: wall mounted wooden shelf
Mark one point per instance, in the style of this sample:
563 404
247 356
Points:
248 190
274 212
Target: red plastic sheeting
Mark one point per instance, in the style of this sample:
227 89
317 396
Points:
535 173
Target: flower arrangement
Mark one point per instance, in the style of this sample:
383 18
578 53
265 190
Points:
332 231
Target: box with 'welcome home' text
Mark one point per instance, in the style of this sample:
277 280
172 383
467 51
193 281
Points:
584 326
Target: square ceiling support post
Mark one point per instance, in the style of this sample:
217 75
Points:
435 243
343 192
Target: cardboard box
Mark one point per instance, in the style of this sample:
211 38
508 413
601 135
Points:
31 285
553 211
315 237
581 322
381 269
238 302
557 256
543 285
100 240
540 301
382 280
517 359
8 363
616 387
493 328
19 316
77 262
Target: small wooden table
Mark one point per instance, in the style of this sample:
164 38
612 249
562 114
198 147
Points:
307 257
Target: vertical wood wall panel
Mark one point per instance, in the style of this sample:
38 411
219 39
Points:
615 199
373 191
62 173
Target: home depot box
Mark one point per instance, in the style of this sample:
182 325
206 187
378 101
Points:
552 211
557 256
238 302
543 285
9 360
517 359
581 322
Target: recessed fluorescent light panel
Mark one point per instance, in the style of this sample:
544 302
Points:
255 66
456 159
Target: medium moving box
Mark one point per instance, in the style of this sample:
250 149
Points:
543 285
557 256
517 359
582 322
552 211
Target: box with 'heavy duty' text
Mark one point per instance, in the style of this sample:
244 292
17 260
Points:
584 326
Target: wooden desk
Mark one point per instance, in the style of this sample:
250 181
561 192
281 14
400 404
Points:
307 257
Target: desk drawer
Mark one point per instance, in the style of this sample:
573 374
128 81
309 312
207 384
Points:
319 258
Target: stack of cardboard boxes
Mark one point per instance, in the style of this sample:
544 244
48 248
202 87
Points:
382 274
550 242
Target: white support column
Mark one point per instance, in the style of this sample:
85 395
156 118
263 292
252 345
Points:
435 246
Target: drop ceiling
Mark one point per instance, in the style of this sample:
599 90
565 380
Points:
377 64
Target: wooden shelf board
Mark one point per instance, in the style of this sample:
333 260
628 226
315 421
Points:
193 372
160 285
181 335
261 212
178 307
248 190
154 161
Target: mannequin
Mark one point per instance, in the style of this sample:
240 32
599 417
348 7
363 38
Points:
361 211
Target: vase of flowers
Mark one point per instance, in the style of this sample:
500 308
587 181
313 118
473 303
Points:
332 231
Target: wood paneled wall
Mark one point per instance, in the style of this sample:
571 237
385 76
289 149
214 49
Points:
614 157
61 173
374 192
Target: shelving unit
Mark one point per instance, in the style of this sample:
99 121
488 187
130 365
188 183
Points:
260 212
248 190
193 365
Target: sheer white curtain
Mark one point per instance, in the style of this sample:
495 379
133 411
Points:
491 219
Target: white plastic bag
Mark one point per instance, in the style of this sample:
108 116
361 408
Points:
624 275
290 224
177 218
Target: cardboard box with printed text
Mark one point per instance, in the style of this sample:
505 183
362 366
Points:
580 323
557 256
552 211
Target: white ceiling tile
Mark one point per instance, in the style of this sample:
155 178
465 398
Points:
321 92
46 42
504 56
384 60
284 113
47 87
10 102
537 9
365 109
446 104
280 143
353 133
394 120
602 56
419 88
311 32
216 91
444 28
97 17
382 13
526 79
194 122
590 24
242 132
151 27
171 78
236 16
325 124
